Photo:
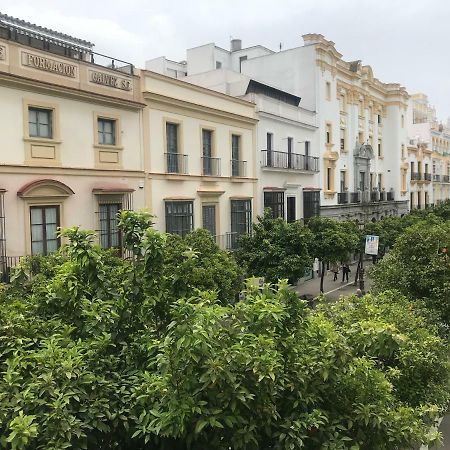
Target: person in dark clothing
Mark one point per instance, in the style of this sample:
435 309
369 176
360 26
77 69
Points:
345 271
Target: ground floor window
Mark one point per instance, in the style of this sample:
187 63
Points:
311 202
291 209
241 219
110 236
179 217
209 218
44 221
275 201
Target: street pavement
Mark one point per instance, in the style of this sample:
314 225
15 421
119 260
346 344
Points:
334 289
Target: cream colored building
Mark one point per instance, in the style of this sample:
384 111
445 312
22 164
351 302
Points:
429 154
200 158
72 145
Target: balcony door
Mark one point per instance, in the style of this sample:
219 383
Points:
207 151
44 221
209 218
269 148
172 148
291 209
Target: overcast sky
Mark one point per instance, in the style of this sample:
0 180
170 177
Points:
405 41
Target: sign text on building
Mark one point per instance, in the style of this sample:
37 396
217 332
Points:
106 79
371 247
49 65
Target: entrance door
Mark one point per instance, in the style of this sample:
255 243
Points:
291 209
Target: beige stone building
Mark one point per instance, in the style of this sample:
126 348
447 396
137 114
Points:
200 158
72 146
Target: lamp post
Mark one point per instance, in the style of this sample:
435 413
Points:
360 271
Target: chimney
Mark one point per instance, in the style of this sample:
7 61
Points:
236 44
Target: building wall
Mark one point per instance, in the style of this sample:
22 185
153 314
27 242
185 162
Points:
193 109
71 169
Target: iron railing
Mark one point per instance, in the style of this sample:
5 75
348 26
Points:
227 241
211 166
416 176
176 163
436 177
238 168
287 160
446 178
427 176
355 197
6 264
342 198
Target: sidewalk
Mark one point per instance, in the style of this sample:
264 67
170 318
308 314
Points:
333 289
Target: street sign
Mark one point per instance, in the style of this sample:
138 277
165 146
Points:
372 244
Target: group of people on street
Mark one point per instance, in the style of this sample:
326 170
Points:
344 267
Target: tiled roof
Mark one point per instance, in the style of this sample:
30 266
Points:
24 25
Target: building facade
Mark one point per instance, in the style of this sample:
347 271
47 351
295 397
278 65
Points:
72 147
287 151
200 164
429 152
360 121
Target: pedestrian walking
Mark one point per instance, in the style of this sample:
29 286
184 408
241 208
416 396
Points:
345 271
335 270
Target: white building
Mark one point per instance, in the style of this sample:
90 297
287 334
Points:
360 121
287 138
429 153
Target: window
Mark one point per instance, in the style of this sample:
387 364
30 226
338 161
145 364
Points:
44 222
179 217
380 181
343 139
311 204
209 218
343 184
173 161
110 236
380 149
328 135
426 168
106 131
329 173
207 136
328 90
269 144
275 201
290 146
241 218
241 60
412 167
40 122
379 119
411 200
307 159
218 65
362 181
291 207
235 155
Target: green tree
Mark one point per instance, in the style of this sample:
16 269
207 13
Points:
418 266
276 249
333 241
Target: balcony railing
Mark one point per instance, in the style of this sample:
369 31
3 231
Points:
382 196
355 197
238 168
416 176
342 198
427 176
211 166
176 163
446 178
436 177
390 196
227 241
374 196
292 161
6 264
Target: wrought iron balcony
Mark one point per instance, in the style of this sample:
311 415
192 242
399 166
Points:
238 168
390 196
343 198
374 196
382 196
436 177
446 178
211 166
355 197
176 163
227 241
427 176
416 176
289 161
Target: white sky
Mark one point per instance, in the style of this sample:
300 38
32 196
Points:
404 41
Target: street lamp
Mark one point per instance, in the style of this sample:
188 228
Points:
360 270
